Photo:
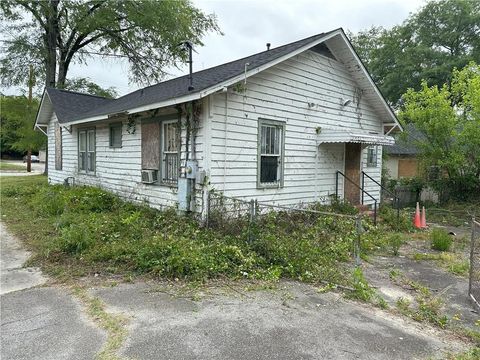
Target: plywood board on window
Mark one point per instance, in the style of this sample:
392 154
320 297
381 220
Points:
151 145
58 147
407 167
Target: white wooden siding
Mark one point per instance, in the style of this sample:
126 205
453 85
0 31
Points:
117 169
305 92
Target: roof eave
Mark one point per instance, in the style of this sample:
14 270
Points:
216 87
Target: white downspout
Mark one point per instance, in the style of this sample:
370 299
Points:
225 89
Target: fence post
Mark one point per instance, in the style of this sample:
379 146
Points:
336 186
363 187
375 213
207 215
356 244
472 249
251 218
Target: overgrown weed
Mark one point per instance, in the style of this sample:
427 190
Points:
84 230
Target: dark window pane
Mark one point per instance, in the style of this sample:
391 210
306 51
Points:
268 169
116 135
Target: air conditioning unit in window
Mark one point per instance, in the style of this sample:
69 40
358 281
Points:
149 176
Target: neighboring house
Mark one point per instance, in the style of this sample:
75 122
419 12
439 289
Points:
42 155
401 160
275 126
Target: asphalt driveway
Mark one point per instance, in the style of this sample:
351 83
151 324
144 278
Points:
39 321
294 321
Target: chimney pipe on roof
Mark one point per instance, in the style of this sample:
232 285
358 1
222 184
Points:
187 45
268 46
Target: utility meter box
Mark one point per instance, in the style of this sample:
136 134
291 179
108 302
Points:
191 169
184 194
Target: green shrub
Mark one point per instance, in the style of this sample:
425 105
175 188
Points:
440 239
88 228
74 240
363 291
390 218
395 241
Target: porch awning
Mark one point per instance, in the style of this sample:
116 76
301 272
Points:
352 136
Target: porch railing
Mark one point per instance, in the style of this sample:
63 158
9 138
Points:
396 199
339 173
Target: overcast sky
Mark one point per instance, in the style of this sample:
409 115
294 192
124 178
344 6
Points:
249 24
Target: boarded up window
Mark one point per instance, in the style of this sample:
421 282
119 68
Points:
151 145
407 167
58 147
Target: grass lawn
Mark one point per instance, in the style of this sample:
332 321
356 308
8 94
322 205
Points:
5 166
81 230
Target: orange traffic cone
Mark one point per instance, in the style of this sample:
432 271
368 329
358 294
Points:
423 222
416 220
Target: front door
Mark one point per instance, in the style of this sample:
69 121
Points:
352 171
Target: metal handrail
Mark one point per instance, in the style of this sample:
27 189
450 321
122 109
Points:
361 189
396 198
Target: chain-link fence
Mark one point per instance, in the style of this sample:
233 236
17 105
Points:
474 282
250 219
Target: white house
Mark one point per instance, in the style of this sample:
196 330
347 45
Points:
276 126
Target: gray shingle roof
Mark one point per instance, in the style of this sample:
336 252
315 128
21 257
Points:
405 143
68 104
178 87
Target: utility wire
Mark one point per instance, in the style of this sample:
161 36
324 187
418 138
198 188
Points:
78 51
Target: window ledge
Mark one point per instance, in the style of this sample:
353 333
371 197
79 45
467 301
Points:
266 186
93 174
168 184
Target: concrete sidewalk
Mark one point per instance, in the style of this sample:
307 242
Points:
39 322
37 169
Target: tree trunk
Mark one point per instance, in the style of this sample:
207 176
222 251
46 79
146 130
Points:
29 160
51 43
62 73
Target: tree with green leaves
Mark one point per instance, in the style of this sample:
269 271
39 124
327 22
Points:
17 122
449 117
85 85
53 34
428 45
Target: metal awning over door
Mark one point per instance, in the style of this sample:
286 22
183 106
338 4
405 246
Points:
353 136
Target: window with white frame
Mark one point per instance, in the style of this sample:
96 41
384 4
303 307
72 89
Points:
86 150
270 153
372 156
170 157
